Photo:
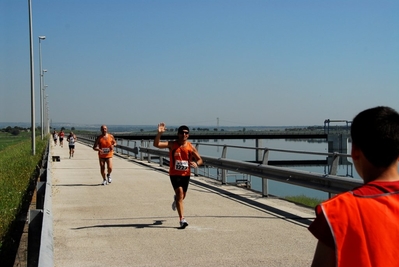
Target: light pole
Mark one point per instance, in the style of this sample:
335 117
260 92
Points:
32 80
44 107
46 113
41 83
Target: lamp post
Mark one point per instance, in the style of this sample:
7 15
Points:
44 107
46 113
41 83
32 79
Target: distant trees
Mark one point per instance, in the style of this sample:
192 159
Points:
15 130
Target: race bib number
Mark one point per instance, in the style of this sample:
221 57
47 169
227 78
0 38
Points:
181 165
106 150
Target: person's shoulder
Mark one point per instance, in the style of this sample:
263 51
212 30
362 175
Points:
191 145
377 187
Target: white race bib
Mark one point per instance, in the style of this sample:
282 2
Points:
106 150
181 165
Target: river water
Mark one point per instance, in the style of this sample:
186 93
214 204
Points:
278 188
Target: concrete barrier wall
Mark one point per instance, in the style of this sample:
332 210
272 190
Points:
46 254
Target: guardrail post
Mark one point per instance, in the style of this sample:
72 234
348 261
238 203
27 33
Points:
148 154
265 159
258 143
265 187
141 153
224 171
265 182
196 169
334 164
128 152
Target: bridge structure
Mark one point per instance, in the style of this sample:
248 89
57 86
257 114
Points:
130 222
201 135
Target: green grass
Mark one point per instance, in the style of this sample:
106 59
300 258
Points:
7 139
304 200
18 169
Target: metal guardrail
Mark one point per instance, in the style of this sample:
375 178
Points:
330 183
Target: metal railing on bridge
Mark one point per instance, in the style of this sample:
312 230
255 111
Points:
330 183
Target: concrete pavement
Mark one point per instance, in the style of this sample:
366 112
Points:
130 222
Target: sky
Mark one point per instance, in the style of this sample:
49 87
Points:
208 62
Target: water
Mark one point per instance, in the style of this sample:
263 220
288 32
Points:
276 188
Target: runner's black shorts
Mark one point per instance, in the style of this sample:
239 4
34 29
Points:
71 146
180 181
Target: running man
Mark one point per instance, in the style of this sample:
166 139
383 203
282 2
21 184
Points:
182 156
71 139
55 137
105 144
61 137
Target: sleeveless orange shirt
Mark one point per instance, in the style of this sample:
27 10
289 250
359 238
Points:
105 144
180 158
365 229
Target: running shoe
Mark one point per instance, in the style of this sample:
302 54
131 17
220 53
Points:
105 182
109 178
183 223
174 203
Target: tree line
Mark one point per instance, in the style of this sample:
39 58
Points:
16 130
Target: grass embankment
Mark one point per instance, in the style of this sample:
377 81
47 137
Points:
304 200
7 139
17 172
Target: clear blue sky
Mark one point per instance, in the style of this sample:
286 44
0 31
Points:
246 62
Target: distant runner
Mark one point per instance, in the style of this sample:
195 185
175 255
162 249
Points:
71 139
105 144
55 137
61 136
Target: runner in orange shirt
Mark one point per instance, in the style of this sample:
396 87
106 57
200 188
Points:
182 156
61 137
105 144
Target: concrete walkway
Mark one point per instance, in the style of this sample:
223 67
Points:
130 222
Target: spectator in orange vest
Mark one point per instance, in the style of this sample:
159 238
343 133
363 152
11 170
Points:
360 227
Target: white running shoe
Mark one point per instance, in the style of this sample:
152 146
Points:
109 178
183 223
174 203
105 182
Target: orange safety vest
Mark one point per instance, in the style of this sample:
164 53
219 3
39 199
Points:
180 158
105 143
365 229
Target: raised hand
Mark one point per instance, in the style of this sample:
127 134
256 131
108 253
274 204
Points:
161 127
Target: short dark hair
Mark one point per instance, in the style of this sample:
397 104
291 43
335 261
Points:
375 132
183 128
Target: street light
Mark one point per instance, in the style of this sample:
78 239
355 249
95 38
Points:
32 80
41 83
44 107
